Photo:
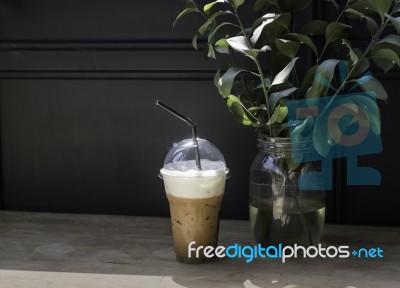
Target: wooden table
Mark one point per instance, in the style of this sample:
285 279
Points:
60 250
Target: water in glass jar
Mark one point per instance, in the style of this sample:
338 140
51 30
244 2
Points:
287 221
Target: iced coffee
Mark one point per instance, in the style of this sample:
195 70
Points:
194 197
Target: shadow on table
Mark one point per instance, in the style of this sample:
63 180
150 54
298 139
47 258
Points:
247 283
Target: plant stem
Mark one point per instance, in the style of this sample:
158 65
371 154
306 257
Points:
367 50
265 94
234 58
326 44
296 79
260 71
341 13
306 223
241 76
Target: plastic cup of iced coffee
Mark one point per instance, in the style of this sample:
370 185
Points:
194 196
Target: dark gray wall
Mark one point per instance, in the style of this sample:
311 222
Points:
79 129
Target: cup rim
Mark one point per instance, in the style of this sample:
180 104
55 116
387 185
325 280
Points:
226 172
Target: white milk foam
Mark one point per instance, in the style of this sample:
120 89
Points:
184 180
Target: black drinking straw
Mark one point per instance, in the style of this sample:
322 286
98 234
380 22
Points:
188 122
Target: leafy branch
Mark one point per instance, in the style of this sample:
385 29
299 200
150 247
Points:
259 68
259 99
375 38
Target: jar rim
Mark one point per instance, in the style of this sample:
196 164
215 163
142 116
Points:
284 143
269 139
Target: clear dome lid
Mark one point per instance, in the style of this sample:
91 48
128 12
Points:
181 159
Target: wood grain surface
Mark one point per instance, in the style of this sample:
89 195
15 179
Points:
70 250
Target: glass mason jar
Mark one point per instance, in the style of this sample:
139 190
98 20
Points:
280 212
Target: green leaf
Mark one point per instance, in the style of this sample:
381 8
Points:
263 18
323 78
211 52
225 83
371 25
222 49
302 130
369 83
395 21
287 47
215 29
239 43
210 20
217 76
282 114
236 107
353 56
191 4
264 4
372 110
383 63
279 115
236 3
354 12
320 137
383 56
314 28
183 13
253 53
222 43
275 97
279 61
391 39
307 81
285 73
267 82
268 31
239 111
246 87
334 31
297 5
266 48
194 42
257 32
222 46
381 7
391 42
280 87
281 130
362 65
255 111
337 5
302 39
207 7
363 6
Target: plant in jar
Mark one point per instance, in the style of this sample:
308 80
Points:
271 62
